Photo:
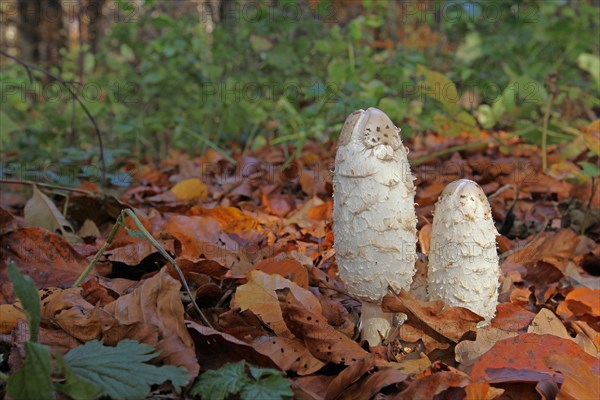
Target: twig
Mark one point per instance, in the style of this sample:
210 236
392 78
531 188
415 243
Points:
588 208
48 185
449 150
157 246
30 67
551 81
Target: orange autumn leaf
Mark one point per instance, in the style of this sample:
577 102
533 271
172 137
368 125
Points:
190 189
232 219
579 302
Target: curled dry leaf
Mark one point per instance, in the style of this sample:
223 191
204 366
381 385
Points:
45 256
482 391
320 338
348 377
369 386
215 349
232 219
468 351
581 381
429 386
156 302
450 322
67 309
259 296
580 302
289 354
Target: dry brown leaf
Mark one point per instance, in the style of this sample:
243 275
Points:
156 302
287 267
369 386
347 377
468 351
288 353
215 349
521 358
67 309
321 339
190 189
232 219
553 248
45 256
482 391
449 322
259 296
10 315
582 381
432 385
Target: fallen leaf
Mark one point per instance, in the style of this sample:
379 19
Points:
215 349
289 354
521 358
432 385
482 391
156 302
580 379
259 296
449 322
546 323
10 315
369 386
41 212
45 256
190 189
347 377
468 351
287 267
67 309
321 339
579 302
232 219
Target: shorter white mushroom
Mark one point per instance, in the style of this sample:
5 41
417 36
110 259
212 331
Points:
463 261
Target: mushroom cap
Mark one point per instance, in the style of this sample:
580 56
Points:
463 262
374 215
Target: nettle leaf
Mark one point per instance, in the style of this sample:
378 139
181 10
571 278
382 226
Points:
74 386
232 380
33 381
25 290
269 384
220 383
121 371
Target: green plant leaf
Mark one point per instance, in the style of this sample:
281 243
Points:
25 290
269 384
220 383
440 88
589 169
590 63
74 386
33 381
121 371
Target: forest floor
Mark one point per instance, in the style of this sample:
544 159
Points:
255 244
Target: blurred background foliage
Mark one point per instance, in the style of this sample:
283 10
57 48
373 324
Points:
238 74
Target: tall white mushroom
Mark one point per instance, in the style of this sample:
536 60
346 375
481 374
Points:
463 261
374 215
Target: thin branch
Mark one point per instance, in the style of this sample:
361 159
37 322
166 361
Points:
30 67
449 150
48 185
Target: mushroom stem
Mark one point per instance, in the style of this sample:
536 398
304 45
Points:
374 323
